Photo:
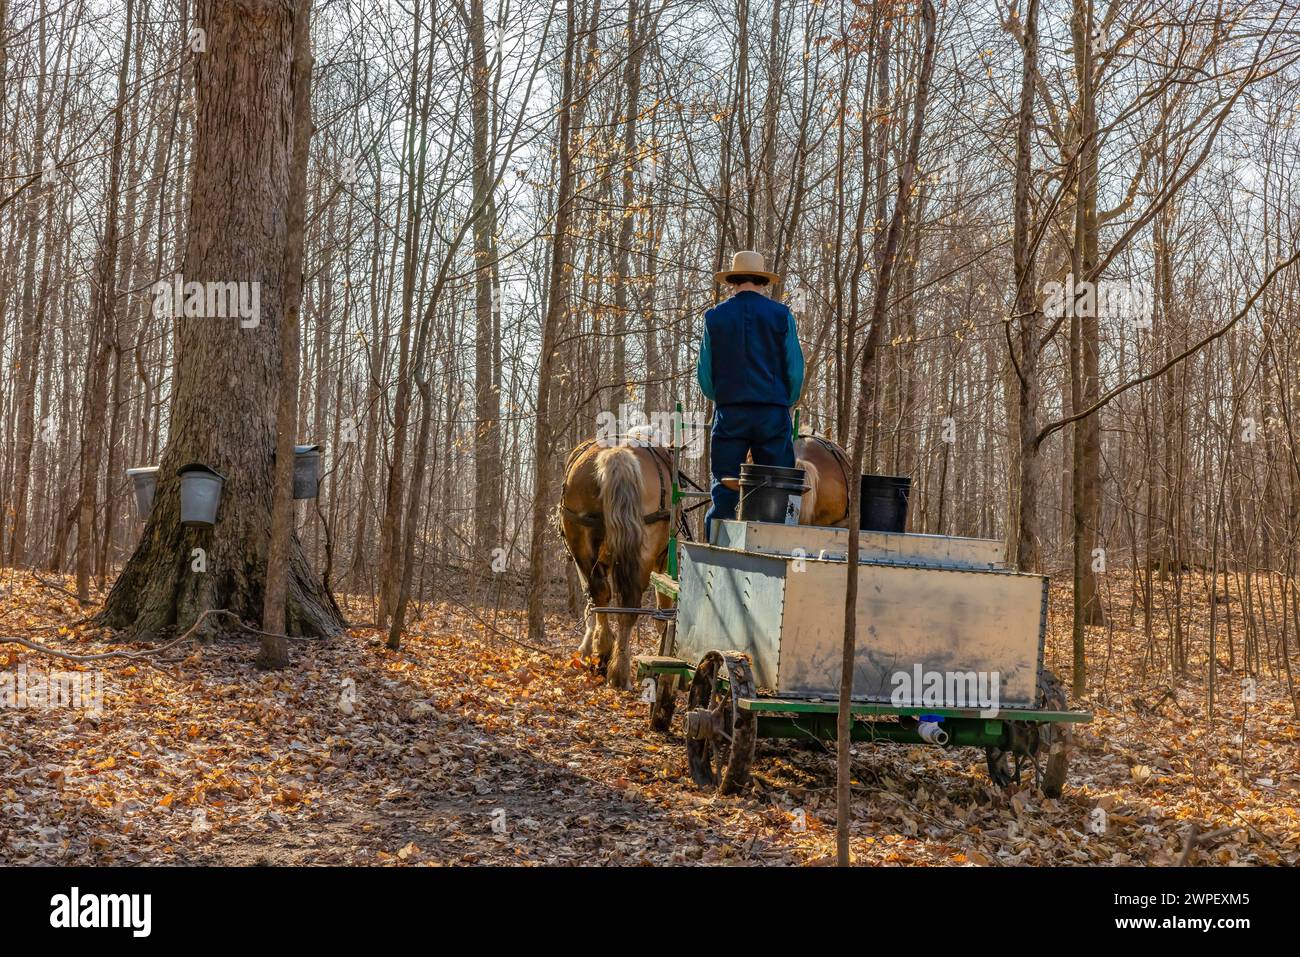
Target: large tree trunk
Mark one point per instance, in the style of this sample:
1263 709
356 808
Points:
227 376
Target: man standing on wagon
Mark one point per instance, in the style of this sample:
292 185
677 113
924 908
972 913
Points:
751 366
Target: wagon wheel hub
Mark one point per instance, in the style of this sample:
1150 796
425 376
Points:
705 724
1044 748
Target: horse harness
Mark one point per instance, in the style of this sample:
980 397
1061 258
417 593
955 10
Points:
596 519
662 465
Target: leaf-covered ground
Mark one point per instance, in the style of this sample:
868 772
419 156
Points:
467 747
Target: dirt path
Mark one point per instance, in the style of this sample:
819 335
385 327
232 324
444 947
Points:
464 748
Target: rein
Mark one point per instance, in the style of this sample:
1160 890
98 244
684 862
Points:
597 520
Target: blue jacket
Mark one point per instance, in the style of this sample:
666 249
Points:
750 352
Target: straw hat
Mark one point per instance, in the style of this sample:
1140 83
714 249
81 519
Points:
746 263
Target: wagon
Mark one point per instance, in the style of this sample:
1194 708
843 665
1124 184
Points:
949 650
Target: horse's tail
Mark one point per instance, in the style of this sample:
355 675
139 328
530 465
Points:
619 475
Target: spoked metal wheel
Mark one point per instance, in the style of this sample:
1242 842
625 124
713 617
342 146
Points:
664 704
720 737
1042 749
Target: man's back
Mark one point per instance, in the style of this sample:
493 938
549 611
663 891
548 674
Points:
747 340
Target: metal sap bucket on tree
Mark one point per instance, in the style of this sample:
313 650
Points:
200 494
144 482
306 471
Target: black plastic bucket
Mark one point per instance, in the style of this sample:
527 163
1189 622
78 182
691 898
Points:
770 493
884 503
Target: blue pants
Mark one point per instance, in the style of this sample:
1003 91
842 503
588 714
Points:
761 430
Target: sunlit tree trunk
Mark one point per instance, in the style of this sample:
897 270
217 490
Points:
227 375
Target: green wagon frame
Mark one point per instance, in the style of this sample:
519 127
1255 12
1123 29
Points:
726 718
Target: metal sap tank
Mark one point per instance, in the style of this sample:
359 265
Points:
787 613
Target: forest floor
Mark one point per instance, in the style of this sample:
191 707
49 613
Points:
467 747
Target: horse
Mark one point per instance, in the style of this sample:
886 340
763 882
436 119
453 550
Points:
615 512
826 471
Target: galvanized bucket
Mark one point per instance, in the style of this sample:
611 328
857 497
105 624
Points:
200 494
144 481
306 471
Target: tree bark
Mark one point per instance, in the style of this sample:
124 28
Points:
487 397
1085 487
102 335
886 259
626 234
555 306
30 333
275 653
225 400
1028 535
